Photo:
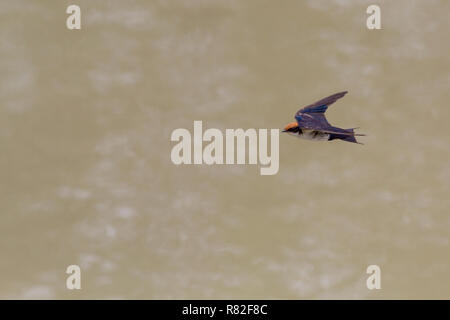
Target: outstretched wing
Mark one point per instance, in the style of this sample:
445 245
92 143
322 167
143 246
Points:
313 116
322 105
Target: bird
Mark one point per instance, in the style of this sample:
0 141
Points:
311 123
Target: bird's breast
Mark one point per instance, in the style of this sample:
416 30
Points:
312 135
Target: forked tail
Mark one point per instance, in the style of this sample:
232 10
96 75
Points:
345 136
352 138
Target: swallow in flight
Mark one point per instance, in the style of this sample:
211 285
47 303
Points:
311 123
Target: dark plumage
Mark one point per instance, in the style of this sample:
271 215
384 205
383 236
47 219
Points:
311 122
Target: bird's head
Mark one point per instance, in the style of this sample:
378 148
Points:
291 128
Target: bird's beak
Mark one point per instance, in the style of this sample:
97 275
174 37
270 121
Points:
284 130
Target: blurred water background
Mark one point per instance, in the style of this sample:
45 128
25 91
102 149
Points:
86 175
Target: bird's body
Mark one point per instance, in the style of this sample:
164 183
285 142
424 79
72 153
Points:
311 123
313 135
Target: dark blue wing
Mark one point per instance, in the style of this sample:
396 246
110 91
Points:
318 109
322 105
